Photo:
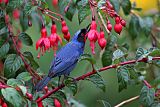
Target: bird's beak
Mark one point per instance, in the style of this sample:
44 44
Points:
87 30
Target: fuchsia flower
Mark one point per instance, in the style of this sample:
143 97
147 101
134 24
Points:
54 38
43 43
93 35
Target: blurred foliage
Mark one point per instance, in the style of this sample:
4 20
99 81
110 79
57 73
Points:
139 40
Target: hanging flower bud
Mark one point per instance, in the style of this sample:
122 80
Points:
64 30
53 28
102 42
123 23
93 25
109 26
57 103
118 28
67 36
117 20
4 104
16 14
6 1
46 89
54 2
29 96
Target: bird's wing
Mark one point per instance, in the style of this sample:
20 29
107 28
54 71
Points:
65 58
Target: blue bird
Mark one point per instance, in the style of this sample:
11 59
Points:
66 59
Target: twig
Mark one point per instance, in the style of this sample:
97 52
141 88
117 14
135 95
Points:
45 11
103 22
127 101
100 70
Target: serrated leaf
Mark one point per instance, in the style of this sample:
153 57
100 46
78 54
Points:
25 38
28 8
123 77
141 53
126 6
98 81
72 85
156 104
24 76
30 58
83 10
13 4
12 96
14 82
12 63
147 96
3 30
60 94
48 102
154 52
87 57
118 56
23 89
4 49
134 29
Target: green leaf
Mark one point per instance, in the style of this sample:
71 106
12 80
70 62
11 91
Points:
118 56
13 4
154 52
98 81
87 57
156 104
105 103
83 10
141 53
107 55
25 38
24 22
14 82
4 50
60 94
123 77
24 76
116 5
72 85
147 96
72 8
4 30
126 6
30 58
23 89
146 25
12 63
28 8
48 102
134 27
12 96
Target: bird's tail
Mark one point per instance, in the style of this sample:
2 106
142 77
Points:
42 83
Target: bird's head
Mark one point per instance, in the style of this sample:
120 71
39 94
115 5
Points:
80 36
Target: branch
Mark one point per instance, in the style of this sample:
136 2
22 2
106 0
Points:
93 72
103 22
127 101
27 66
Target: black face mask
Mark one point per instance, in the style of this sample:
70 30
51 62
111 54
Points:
81 36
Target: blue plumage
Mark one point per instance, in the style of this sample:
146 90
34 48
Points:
66 59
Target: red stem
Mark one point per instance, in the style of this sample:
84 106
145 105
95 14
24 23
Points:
100 70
